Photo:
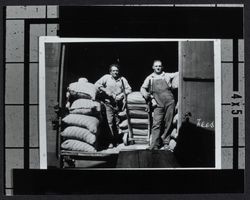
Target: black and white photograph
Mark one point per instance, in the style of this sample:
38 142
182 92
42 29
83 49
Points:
107 108
101 96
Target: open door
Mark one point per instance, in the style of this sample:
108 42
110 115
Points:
196 142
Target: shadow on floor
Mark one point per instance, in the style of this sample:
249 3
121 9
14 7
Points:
195 146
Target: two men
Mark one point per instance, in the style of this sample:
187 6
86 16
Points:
113 88
157 87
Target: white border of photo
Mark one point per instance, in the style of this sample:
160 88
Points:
42 92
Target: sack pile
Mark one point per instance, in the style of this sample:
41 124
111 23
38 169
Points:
138 116
83 89
174 133
82 122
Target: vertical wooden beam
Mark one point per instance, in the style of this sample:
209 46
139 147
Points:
2 96
26 93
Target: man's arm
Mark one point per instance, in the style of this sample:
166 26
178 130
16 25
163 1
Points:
127 86
145 88
171 79
100 82
172 75
101 85
127 89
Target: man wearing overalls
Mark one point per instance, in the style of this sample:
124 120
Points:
157 86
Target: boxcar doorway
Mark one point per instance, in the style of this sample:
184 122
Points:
92 60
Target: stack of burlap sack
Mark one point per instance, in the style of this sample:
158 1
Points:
174 133
137 108
83 119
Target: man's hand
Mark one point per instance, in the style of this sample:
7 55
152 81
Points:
110 94
146 95
154 103
119 97
107 92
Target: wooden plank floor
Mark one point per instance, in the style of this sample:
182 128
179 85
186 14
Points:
147 159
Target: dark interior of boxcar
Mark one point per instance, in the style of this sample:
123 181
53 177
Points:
92 60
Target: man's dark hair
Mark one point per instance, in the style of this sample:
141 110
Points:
157 60
114 65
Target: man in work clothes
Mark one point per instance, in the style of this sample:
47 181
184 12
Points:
157 87
113 87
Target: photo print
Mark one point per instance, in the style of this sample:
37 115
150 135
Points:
72 70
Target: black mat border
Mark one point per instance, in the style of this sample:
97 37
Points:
160 196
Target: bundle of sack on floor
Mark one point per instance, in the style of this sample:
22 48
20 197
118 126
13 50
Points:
174 133
83 119
137 111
